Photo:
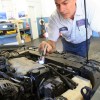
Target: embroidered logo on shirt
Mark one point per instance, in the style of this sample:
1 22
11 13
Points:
63 29
65 32
81 22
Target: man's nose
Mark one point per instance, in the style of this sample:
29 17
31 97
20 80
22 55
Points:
61 8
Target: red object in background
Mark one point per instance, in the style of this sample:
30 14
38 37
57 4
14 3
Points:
27 25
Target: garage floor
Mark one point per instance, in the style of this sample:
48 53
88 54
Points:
94 52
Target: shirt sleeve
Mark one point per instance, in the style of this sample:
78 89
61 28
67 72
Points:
53 30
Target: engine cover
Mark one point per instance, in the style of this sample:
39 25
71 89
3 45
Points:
22 65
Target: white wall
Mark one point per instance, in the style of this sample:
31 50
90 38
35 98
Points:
7 6
34 11
48 6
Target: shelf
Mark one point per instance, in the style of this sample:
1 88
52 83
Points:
6 36
24 29
4 39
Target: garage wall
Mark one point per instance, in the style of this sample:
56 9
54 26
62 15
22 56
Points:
35 9
32 8
48 6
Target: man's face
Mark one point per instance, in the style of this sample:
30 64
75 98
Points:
66 8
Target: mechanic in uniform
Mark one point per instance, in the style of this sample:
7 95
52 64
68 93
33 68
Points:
68 20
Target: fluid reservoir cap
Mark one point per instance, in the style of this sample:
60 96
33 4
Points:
35 72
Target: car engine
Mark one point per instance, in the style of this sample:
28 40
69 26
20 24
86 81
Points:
63 76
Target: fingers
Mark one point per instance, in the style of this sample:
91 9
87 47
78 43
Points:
44 45
49 48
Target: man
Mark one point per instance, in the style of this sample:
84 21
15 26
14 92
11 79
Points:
69 21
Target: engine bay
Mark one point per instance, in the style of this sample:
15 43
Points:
63 76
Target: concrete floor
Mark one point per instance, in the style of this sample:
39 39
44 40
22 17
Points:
94 51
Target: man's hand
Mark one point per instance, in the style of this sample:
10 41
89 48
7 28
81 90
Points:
50 46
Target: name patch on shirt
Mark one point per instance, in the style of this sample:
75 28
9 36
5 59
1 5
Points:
63 29
80 22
